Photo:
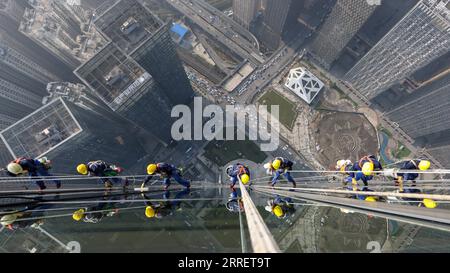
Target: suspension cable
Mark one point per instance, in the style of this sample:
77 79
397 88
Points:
385 194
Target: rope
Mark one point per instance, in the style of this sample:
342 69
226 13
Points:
80 177
261 238
385 194
127 201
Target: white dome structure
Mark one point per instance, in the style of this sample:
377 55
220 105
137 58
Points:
304 84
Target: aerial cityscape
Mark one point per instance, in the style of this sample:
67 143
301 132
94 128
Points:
217 126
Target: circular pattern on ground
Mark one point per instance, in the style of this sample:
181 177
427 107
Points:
342 135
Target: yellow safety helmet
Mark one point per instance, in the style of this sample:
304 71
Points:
429 203
78 215
278 211
371 199
245 178
150 212
424 165
367 168
8 219
14 168
82 169
276 164
151 169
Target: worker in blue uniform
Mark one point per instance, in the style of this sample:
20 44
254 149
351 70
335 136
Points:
36 169
167 207
281 207
105 171
166 171
411 165
234 203
280 166
238 172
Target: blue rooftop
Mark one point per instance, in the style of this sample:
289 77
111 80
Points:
179 29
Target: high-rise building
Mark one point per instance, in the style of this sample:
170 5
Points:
6 121
426 111
22 85
63 29
138 74
5 156
244 12
442 154
77 94
275 14
420 37
344 21
15 60
16 101
274 17
13 9
70 135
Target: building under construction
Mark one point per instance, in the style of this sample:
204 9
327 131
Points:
420 37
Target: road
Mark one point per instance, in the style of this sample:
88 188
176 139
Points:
226 22
260 78
230 39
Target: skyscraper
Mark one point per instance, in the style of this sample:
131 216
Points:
16 101
70 135
420 37
426 111
441 153
346 18
15 60
275 15
5 156
138 74
244 12
22 85
63 29
13 9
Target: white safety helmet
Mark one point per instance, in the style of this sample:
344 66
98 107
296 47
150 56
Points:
14 168
342 163
8 219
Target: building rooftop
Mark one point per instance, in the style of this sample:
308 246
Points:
41 131
304 84
113 76
179 30
128 24
442 7
66 32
